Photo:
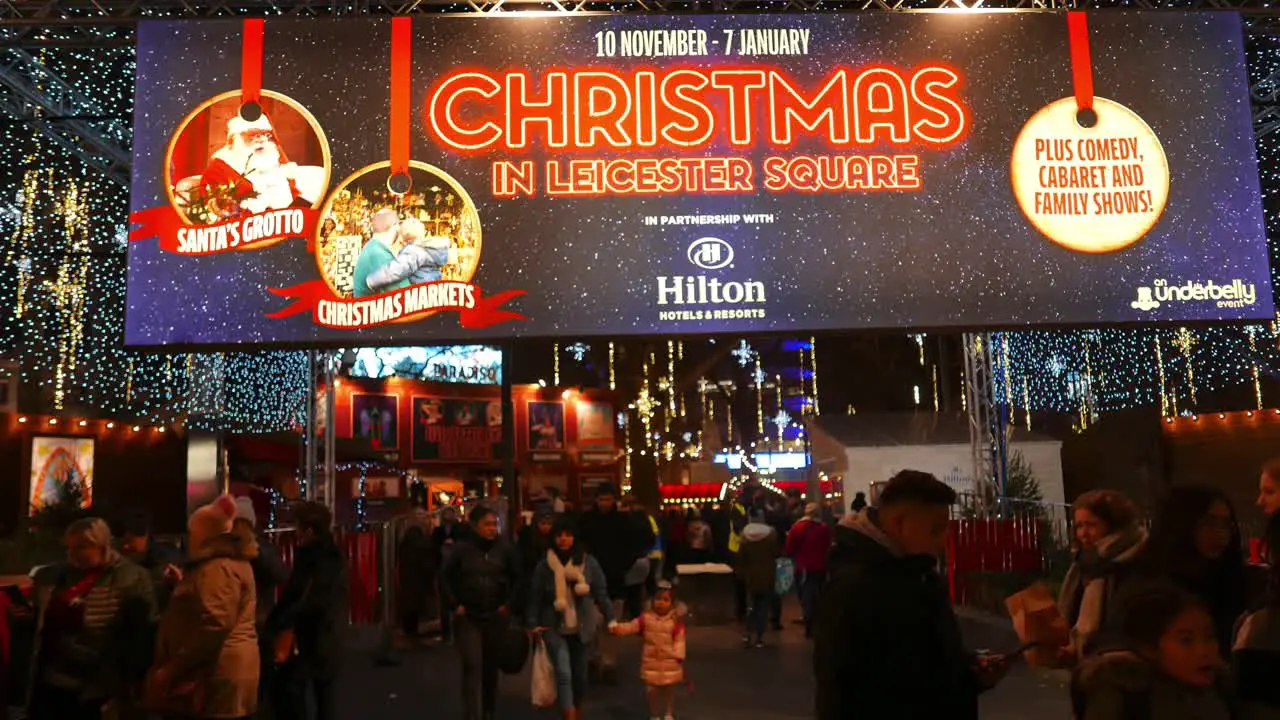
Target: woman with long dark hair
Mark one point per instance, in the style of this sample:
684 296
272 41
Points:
1195 542
565 585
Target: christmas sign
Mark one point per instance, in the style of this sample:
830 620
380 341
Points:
616 175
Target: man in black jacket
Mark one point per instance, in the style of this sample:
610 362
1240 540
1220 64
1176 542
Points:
306 625
887 642
478 583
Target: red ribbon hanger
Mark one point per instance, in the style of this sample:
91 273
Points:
251 65
1081 67
401 67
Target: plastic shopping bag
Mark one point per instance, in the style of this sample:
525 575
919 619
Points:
784 576
543 677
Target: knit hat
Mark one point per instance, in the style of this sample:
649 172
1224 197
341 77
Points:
245 511
211 521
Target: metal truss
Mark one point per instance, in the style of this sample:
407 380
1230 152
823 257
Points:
32 93
988 419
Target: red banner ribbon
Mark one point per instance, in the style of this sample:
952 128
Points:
251 61
1081 62
412 303
401 67
246 233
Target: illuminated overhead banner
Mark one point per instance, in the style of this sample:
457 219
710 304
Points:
368 181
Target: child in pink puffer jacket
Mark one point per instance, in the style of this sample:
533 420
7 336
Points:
662 662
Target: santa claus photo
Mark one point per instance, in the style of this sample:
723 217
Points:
224 166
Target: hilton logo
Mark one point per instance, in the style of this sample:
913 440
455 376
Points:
710 253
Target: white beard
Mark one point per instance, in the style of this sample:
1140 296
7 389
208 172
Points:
264 172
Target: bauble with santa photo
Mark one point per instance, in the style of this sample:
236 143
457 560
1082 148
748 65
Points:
228 160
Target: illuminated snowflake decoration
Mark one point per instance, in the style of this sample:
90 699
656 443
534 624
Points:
622 421
578 350
646 404
782 419
743 353
758 376
688 437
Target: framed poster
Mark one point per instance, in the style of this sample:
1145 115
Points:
378 489
456 429
57 465
595 424
546 426
376 418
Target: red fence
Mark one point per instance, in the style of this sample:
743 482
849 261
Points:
1016 545
360 551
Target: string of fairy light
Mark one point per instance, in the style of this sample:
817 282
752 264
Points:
64 281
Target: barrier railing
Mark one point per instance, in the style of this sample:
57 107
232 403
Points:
361 553
994 548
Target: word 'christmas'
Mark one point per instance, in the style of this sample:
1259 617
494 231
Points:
690 108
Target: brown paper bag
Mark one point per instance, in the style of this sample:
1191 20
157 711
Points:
1036 620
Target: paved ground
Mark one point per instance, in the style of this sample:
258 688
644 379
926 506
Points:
770 684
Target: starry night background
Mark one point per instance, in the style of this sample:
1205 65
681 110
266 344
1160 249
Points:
957 253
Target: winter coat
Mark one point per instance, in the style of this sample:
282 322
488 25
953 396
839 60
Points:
808 544
616 540
662 660
206 663
314 605
541 609
1123 686
480 576
887 643
104 658
757 558
1119 568
416 559
1255 665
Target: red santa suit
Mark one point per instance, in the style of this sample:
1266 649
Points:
261 177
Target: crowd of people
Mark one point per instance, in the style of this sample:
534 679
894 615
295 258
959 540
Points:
219 630
1164 616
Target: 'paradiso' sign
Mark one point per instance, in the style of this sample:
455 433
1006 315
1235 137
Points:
615 175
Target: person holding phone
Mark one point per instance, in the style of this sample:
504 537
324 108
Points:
887 643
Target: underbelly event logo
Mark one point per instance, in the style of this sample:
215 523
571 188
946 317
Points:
1236 294
709 254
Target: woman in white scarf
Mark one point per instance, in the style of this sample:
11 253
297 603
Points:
568 600
1110 542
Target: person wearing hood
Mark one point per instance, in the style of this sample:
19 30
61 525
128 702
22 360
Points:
1111 543
755 569
566 584
307 623
88 610
1171 671
887 644
206 661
